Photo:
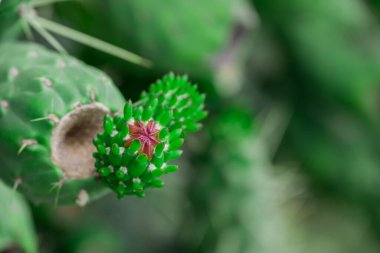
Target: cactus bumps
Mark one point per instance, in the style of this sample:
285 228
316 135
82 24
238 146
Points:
52 106
135 148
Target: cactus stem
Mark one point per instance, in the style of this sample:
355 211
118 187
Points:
72 137
26 143
82 198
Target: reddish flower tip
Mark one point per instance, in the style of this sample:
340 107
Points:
146 134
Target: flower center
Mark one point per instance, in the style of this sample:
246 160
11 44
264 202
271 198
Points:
146 134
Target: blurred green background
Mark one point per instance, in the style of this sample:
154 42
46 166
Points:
289 158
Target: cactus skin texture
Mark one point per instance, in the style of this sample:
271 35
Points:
16 227
135 148
10 23
37 89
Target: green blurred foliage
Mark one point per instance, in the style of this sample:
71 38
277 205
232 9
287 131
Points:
329 72
16 225
333 46
71 230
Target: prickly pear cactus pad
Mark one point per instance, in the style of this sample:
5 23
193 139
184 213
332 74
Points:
136 147
51 107
16 227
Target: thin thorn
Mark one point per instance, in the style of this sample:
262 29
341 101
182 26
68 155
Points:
17 183
25 143
39 119
30 16
57 185
92 42
92 95
51 117
27 30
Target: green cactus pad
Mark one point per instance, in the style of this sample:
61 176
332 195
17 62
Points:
51 107
16 227
135 148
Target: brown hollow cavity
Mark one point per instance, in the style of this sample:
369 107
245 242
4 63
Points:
72 146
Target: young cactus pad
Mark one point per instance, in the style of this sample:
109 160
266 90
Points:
51 108
136 147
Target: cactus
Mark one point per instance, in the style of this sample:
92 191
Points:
10 22
135 147
16 227
52 106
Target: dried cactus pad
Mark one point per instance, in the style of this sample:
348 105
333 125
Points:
51 108
136 147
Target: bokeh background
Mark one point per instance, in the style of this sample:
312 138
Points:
289 157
